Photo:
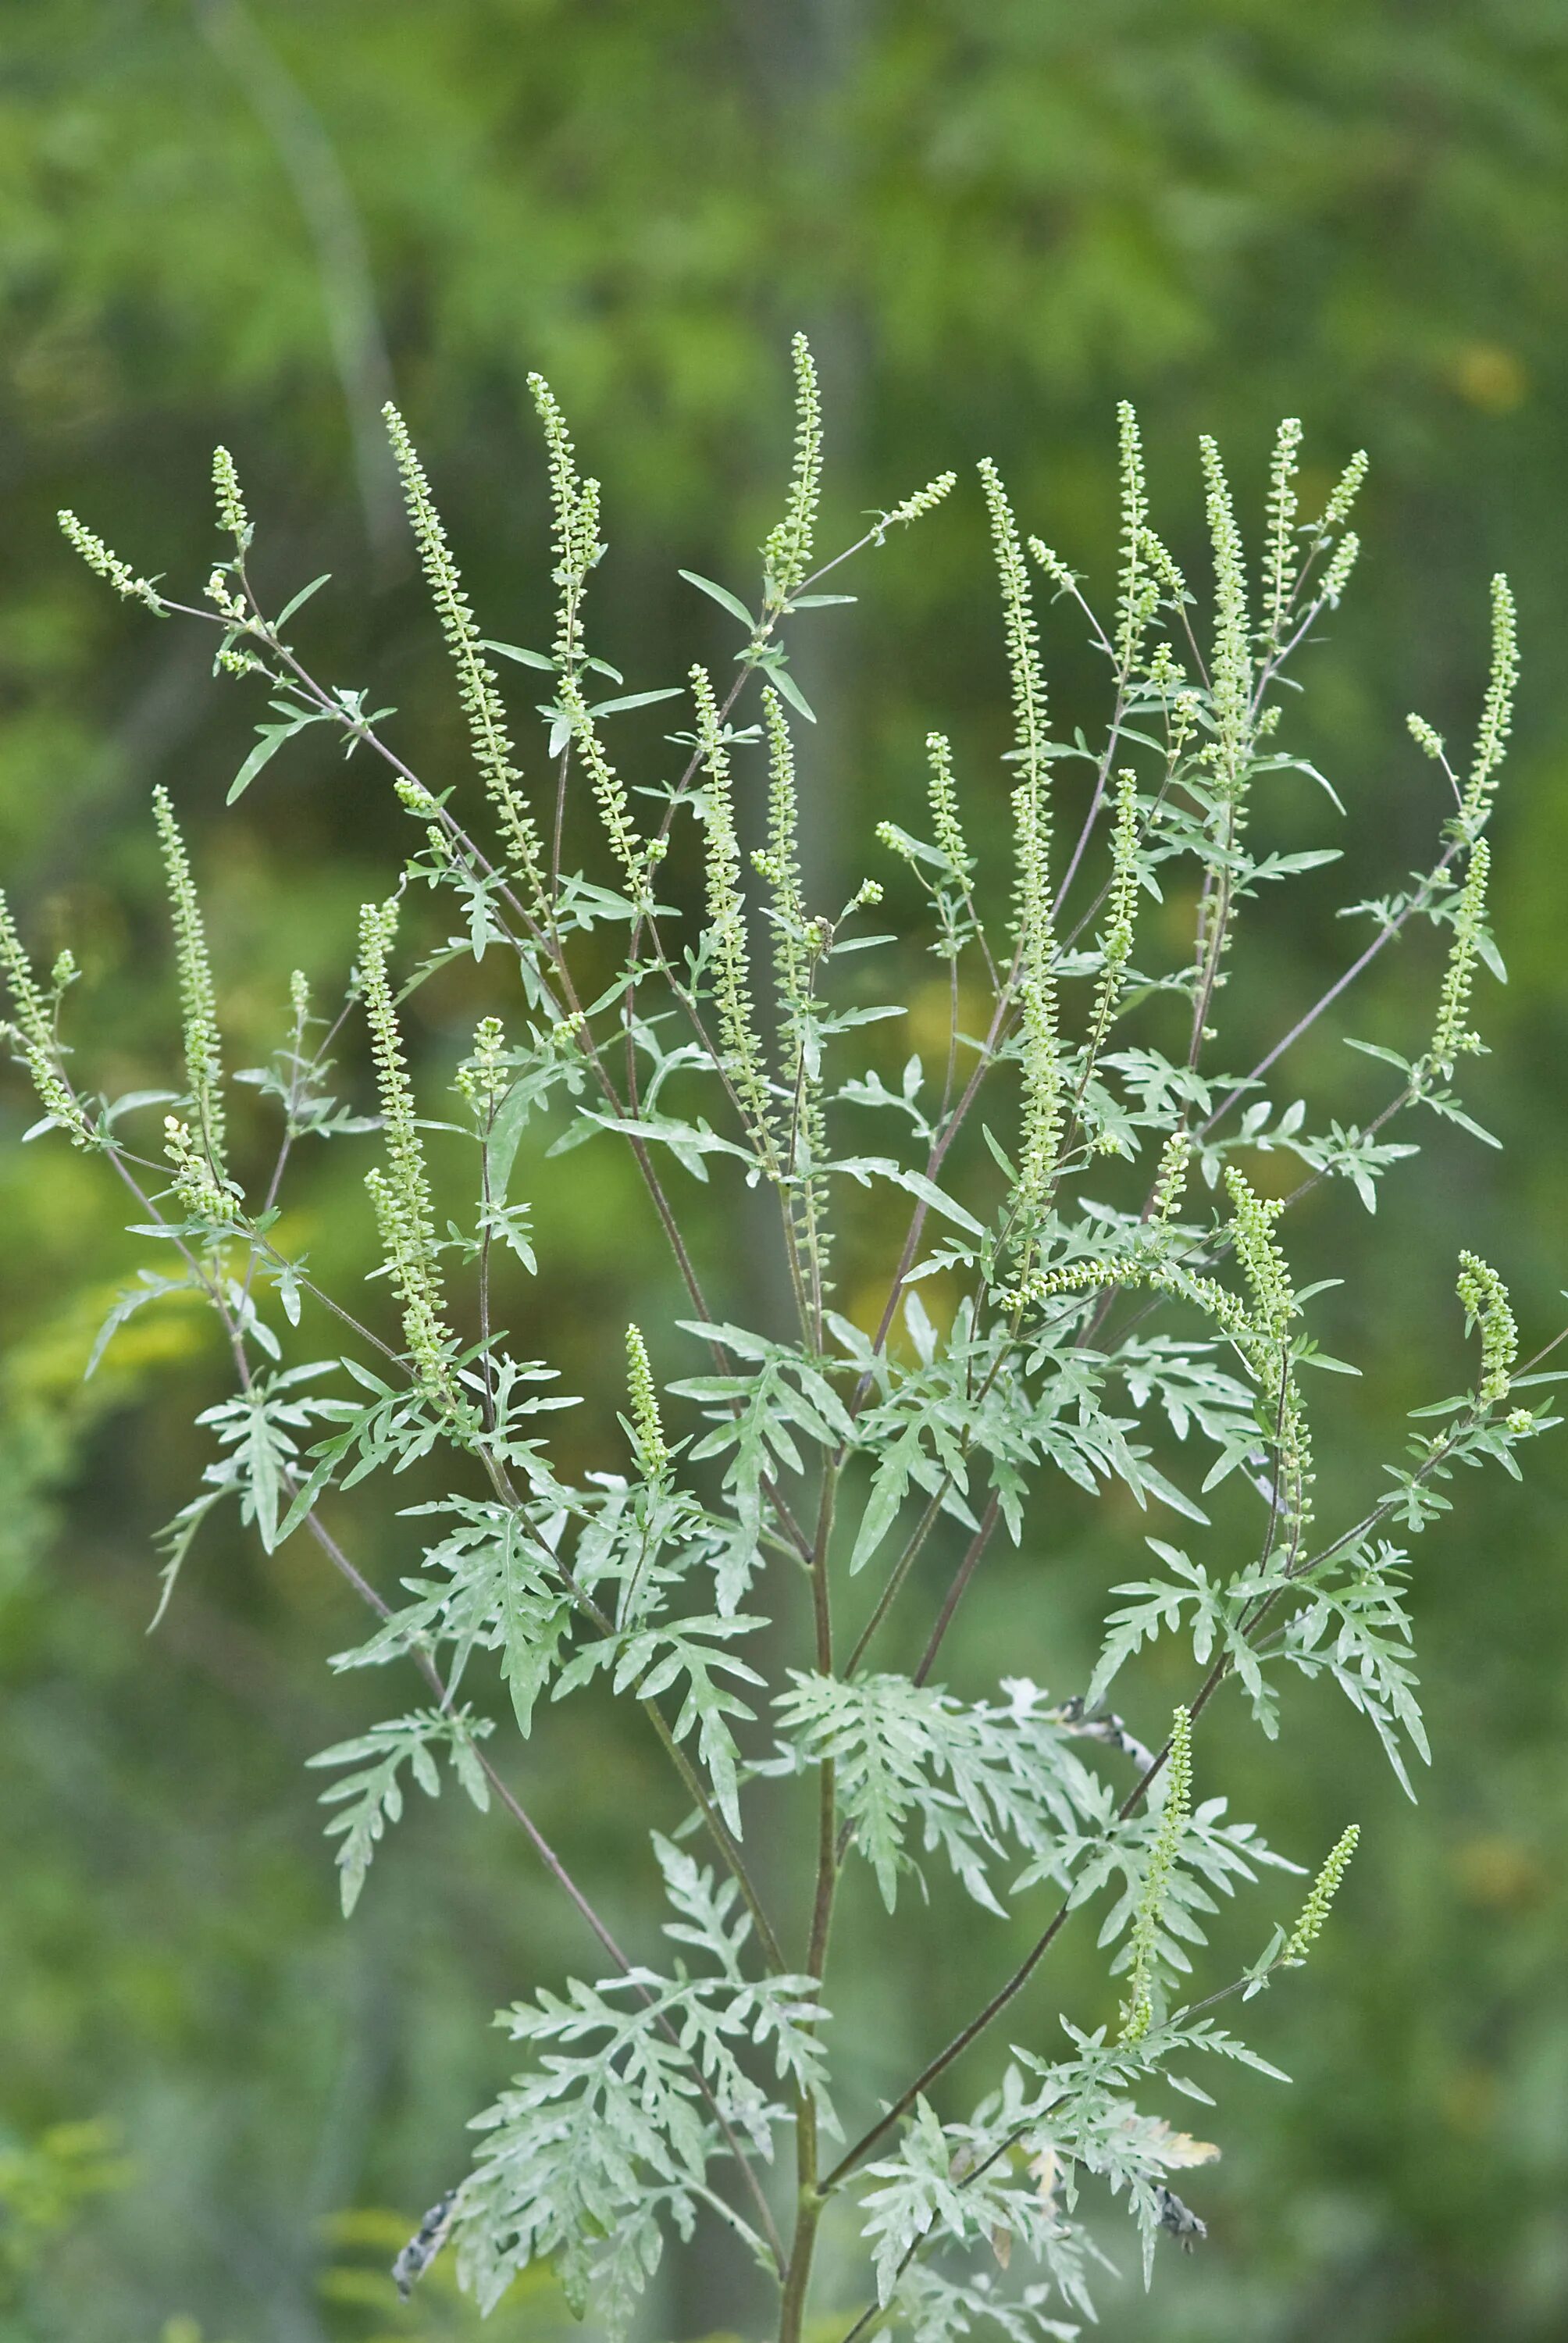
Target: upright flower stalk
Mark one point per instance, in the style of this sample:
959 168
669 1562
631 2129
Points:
726 941
400 1191
478 684
1144 1944
198 997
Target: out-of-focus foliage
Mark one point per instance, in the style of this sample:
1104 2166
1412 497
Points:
44 2185
242 223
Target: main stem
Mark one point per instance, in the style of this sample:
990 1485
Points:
810 2200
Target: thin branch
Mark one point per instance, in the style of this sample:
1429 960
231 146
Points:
961 1577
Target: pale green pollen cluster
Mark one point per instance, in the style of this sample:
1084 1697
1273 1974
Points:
1047 557
1022 634
923 501
198 997
476 680
1138 2012
1099 1272
1342 561
1116 937
1039 1041
1086 1276
1231 665
779 863
232 516
1320 1900
401 1192
634 855
205 1196
575 524
1348 488
1281 572
1453 1037
415 798
1260 1333
1171 1178
34 1030
481 1078
1169 572
1267 1346
788 550
222 595
1262 1263
109 566
1167 683
1497 709
942 792
1039 1047
232 660
575 521
1426 738
797 946
1486 1304
727 922
648 1432
1138 596
1336 512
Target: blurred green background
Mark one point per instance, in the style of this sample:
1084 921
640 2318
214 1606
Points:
219 2108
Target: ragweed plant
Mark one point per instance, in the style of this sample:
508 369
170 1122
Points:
1112 1244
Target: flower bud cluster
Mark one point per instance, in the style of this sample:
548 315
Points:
1139 598
1486 1304
481 1078
731 957
1281 558
401 1192
232 516
1497 709
204 1194
1452 1036
787 553
1138 2012
1320 1900
646 1430
923 501
109 566
488 733
33 1035
198 995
